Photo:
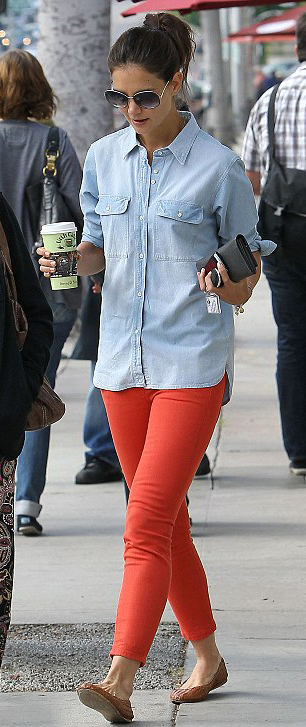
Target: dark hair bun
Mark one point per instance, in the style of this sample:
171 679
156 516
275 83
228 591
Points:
163 45
180 34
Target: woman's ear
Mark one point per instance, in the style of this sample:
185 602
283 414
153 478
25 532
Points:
176 83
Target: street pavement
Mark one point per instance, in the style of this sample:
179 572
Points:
249 528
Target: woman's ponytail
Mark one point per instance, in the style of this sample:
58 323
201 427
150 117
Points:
179 33
163 45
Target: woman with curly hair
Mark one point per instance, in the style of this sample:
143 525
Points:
27 105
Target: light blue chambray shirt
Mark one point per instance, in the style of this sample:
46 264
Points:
153 223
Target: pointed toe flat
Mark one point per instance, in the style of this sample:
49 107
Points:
199 694
114 710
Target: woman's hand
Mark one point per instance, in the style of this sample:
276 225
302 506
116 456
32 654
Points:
96 288
46 266
90 258
229 292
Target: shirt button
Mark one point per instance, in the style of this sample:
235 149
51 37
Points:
155 171
153 181
139 294
141 217
180 214
107 207
141 255
136 332
160 153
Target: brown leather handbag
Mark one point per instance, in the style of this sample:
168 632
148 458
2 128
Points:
47 408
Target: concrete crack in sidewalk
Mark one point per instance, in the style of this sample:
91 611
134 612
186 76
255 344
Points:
175 714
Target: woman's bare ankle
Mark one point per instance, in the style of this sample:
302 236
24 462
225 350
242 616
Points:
120 678
207 653
117 687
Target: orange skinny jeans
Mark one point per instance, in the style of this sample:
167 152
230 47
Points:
160 437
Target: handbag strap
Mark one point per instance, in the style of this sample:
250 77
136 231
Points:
271 118
52 152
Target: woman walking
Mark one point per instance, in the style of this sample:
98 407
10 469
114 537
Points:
27 105
21 375
156 197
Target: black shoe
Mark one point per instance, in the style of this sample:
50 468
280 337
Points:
298 467
203 468
97 471
27 525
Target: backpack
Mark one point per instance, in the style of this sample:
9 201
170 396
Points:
282 208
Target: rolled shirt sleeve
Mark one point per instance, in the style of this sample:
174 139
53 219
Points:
235 209
89 197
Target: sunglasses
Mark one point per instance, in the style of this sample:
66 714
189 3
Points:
143 99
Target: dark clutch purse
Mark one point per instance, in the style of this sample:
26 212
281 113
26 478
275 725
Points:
235 255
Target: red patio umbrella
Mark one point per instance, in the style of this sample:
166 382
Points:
276 28
187 6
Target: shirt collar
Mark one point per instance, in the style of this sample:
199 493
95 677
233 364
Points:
180 146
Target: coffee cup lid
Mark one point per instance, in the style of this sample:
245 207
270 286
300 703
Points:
57 227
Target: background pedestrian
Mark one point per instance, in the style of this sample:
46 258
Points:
286 268
101 461
26 99
21 375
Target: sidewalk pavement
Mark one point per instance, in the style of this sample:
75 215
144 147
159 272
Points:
248 526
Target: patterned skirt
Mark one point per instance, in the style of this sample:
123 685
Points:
7 484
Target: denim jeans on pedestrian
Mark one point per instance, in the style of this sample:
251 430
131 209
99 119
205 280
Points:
97 434
287 281
32 463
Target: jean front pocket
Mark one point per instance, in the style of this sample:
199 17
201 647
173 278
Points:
178 228
114 214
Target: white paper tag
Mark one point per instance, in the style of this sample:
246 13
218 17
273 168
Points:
212 303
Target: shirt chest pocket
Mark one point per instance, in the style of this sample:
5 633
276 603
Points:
178 231
114 214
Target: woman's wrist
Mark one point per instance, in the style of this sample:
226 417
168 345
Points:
91 259
239 308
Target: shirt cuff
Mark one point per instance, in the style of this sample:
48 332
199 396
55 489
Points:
265 247
94 240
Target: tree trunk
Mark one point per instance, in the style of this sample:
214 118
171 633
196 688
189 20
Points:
241 62
73 48
219 117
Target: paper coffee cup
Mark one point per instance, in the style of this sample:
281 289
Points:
60 239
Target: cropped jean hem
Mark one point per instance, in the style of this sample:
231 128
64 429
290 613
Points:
200 635
27 507
122 650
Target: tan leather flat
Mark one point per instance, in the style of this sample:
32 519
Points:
198 694
115 710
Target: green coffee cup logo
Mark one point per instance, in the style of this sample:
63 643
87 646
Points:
59 242
65 240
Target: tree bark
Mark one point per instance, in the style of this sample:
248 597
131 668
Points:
73 48
219 117
241 62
